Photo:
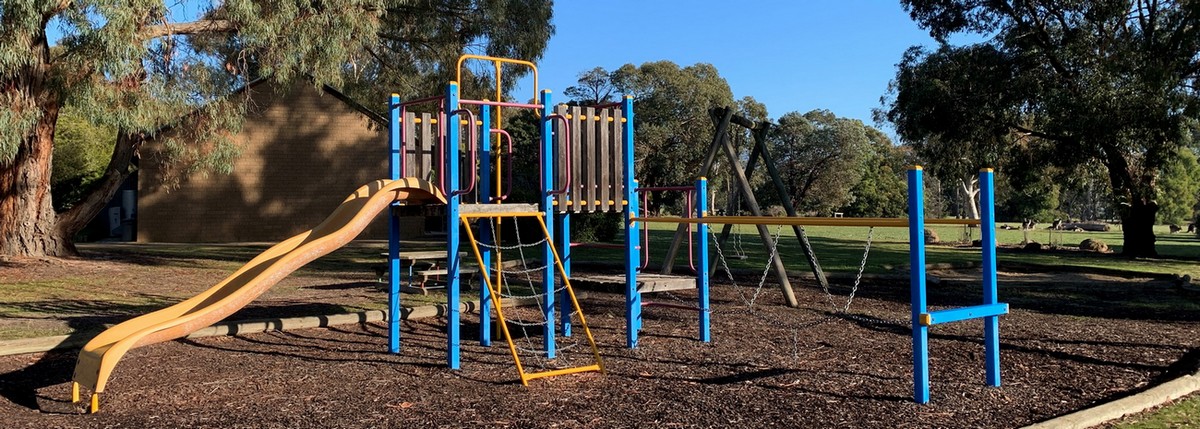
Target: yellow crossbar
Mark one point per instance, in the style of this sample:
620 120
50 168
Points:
804 221
564 371
500 214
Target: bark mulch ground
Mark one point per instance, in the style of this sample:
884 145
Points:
1071 341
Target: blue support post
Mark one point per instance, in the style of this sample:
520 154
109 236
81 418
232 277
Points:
987 226
395 168
916 252
485 225
564 253
633 299
549 166
452 226
702 258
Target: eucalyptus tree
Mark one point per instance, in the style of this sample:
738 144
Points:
138 67
1111 81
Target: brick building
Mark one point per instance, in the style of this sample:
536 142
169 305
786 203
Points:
302 152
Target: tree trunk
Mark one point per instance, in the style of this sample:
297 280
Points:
1137 227
120 166
28 227
970 188
1135 200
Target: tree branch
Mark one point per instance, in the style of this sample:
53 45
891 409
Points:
188 28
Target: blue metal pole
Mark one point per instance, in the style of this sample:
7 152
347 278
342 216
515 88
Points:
485 225
702 258
633 299
916 254
987 226
395 165
452 226
564 250
549 166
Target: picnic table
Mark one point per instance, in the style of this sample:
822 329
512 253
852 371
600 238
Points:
432 267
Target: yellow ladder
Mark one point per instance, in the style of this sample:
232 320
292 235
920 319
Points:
494 293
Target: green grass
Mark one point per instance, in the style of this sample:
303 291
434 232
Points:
840 249
1184 413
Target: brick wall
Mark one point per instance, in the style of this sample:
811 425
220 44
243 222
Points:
302 152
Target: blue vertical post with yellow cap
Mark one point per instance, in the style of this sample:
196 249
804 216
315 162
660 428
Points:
453 237
991 324
916 255
633 299
702 258
549 166
485 224
395 172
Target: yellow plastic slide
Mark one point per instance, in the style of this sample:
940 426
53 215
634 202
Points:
101 354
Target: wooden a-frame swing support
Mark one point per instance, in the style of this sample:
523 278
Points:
723 117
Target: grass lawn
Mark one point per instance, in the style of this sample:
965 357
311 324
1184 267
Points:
1184 413
840 249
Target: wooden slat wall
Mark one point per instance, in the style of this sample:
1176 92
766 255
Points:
597 175
618 159
603 160
420 146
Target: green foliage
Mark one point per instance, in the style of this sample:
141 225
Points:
1040 80
1179 189
820 159
81 151
673 126
882 190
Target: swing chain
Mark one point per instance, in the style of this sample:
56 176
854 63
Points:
857 278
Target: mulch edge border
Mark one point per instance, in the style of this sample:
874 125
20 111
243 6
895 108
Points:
1129 405
58 342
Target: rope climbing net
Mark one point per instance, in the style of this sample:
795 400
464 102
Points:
530 315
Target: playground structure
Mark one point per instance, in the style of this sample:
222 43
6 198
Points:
586 165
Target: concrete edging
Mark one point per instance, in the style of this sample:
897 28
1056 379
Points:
1134 404
44 344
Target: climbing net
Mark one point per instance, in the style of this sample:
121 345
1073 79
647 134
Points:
525 308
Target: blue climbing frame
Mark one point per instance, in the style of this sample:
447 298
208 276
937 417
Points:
451 116
990 310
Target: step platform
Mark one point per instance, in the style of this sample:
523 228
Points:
647 283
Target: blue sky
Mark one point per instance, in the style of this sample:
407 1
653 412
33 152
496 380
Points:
790 55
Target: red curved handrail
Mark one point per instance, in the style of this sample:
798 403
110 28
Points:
510 163
474 144
566 156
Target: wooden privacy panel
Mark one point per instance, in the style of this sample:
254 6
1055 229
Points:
420 146
596 157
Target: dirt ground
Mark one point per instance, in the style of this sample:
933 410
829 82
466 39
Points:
1072 340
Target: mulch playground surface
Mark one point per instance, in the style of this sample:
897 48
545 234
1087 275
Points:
1070 342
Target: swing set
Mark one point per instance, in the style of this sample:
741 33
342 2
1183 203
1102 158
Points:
921 318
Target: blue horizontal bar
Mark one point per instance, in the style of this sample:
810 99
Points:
963 313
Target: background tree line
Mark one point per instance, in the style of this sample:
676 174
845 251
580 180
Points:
1089 110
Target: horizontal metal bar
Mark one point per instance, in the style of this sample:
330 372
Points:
497 208
962 313
564 371
666 188
500 214
422 100
500 104
804 221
